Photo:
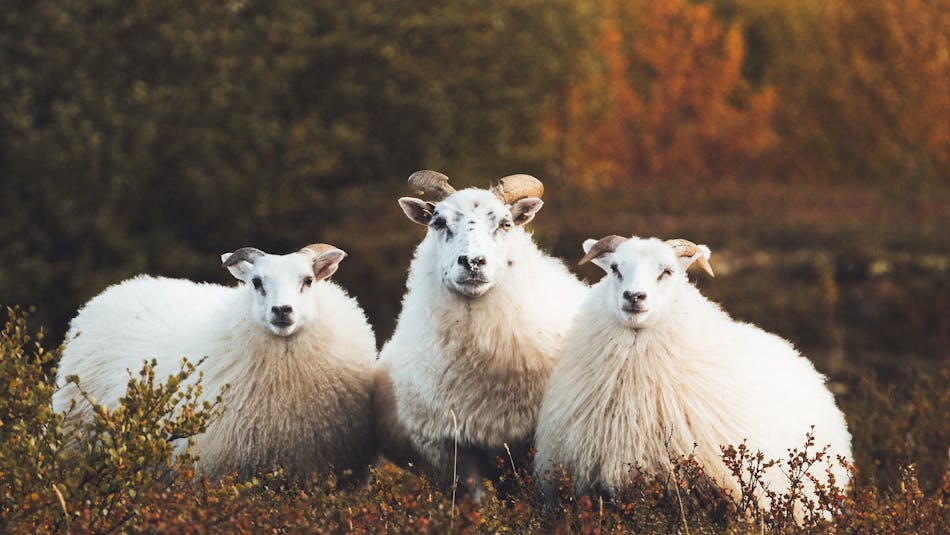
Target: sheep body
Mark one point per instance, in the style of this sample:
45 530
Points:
623 398
485 360
300 401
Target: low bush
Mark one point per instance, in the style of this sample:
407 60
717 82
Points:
118 472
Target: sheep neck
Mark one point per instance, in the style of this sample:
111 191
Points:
646 374
485 359
487 333
274 385
261 352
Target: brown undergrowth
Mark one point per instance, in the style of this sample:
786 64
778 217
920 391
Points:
120 475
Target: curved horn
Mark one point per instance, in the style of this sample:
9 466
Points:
431 184
245 254
604 245
687 248
513 188
318 248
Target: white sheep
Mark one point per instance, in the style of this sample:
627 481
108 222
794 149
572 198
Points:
480 327
650 368
296 350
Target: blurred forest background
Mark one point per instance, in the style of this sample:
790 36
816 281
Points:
807 142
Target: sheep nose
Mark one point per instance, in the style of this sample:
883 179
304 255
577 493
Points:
634 297
283 311
471 263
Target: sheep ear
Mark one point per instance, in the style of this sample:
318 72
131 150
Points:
241 271
327 263
417 210
240 262
524 210
602 260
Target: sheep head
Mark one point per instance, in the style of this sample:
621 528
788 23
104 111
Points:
470 228
279 287
642 274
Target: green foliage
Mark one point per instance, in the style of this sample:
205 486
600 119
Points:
153 136
54 475
30 436
128 450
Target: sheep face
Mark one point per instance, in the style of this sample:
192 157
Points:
641 277
280 286
471 231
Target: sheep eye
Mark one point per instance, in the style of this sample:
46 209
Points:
258 284
505 225
616 271
438 223
307 281
664 274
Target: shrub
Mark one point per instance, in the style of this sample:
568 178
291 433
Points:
53 474
119 473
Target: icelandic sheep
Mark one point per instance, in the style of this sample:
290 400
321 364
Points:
480 327
651 368
296 350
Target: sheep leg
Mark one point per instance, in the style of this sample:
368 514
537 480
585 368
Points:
549 490
471 472
465 465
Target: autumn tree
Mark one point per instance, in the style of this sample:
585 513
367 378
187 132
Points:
861 84
664 98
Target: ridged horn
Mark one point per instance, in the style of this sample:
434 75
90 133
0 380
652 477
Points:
607 244
430 185
319 248
687 248
246 254
513 188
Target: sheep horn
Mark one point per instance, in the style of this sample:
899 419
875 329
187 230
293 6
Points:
604 245
431 184
687 248
318 248
244 254
513 188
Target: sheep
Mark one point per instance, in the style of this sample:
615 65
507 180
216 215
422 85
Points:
651 368
480 326
296 350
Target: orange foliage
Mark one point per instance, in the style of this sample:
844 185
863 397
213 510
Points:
665 99
892 60
862 87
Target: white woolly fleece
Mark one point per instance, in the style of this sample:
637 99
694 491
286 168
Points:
622 398
301 402
487 359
